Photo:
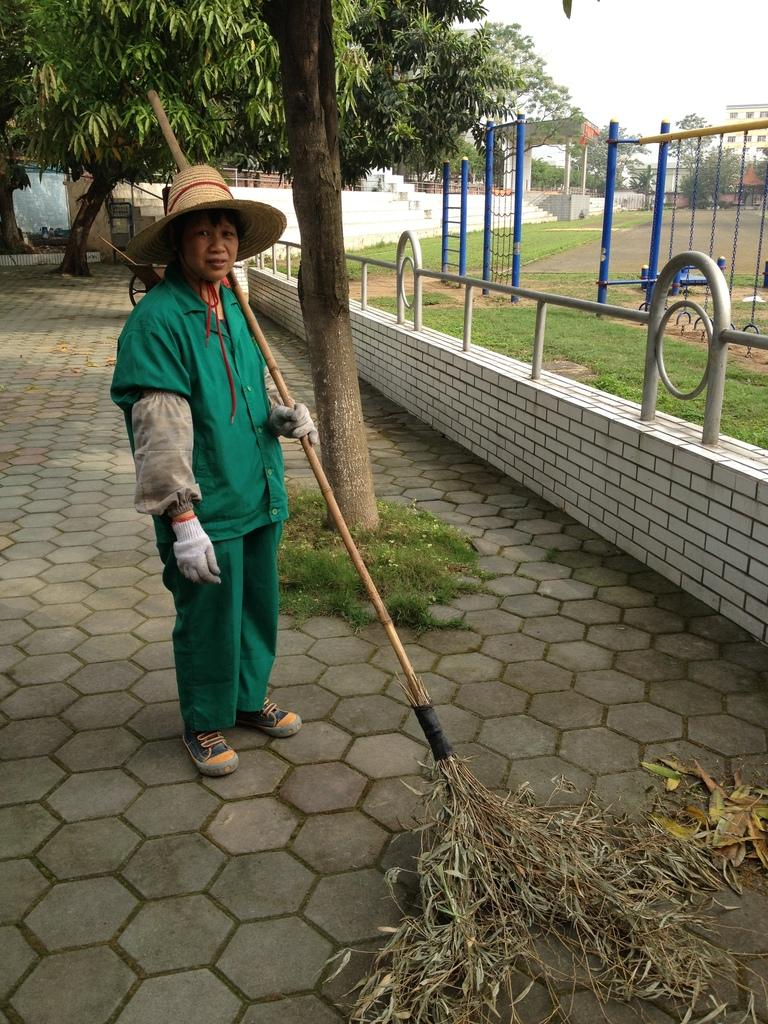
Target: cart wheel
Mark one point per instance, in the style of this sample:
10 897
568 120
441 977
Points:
136 289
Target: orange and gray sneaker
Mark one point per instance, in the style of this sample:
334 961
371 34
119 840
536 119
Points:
210 752
271 720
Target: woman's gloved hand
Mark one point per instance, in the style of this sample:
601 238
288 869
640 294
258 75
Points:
296 422
194 552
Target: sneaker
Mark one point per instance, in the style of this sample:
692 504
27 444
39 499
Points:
270 720
210 752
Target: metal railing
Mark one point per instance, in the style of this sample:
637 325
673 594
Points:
718 328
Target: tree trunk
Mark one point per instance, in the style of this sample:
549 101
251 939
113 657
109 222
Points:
304 34
75 259
10 237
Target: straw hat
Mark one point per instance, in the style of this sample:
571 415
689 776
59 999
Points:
200 187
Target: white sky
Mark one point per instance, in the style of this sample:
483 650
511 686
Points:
643 60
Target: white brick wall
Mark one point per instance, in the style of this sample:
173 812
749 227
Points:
696 515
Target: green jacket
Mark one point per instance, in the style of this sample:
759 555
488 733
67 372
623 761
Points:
237 463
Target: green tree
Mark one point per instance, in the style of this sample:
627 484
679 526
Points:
546 175
535 93
15 68
717 174
689 151
91 115
642 178
597 159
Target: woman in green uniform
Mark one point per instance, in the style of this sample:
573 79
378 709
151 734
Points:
209 469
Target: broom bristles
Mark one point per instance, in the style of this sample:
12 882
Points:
505 885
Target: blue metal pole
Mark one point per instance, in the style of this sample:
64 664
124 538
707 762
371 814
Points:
490 136
658 212
643 278
446 209
463 228
517 231
765 275
610 190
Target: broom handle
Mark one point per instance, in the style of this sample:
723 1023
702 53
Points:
414 687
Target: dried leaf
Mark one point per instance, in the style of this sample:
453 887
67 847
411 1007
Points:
671 784
660 769
698 815
674 827
707 779
759 842
761 811
716 805
731 828
678 765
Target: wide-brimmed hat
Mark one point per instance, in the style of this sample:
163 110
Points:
200 187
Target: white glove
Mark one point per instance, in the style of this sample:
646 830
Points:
194 553
285 421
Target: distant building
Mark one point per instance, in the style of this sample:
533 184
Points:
757 141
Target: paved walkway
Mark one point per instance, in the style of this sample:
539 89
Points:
133 891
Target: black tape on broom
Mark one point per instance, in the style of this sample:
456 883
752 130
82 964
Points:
436 738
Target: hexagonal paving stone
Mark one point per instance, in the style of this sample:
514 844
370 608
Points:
553 628
507 650
184 931
45 668
103 677
186 996
102 710
396 802
98 748
317 741
725 676
518 736
551 780
299 1010
256 943
460 726
530 605
117 620
311 701
162 761
493 622
726 735
490 699
353 906
624 792
248 885
752 707
609 686
247 826
511 586
488 768
173 865
339 842
15 957
618 637
685 697
321 627
354 680
163 810
27 779
365 715
22 883
32 737
295 670
537 676
323 787
57 982
686 646
258 774
566 710
156 687
77 913
450 641
38 701
383 756
88 848
599 750
158 721
52 641
93 795
645 722
23 828
718 628
652 666
345 650
590 612
741 923
579 656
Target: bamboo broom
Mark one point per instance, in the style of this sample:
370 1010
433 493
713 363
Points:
502 880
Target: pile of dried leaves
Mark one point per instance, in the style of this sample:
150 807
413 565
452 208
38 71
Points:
565 896
732 824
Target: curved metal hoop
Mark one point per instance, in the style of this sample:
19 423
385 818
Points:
682 307
401 281
751 328
683 313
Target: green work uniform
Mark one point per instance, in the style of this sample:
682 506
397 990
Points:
225 635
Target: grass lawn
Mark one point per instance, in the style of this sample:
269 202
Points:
539 241
612 352
416 561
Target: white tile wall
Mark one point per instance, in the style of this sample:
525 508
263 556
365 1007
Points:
696 515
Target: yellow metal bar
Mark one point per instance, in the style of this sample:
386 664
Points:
695 133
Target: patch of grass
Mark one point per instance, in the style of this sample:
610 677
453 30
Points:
415 561
539 241
614 354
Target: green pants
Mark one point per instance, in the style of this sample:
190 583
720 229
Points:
225 636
